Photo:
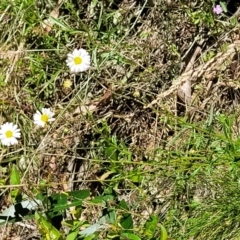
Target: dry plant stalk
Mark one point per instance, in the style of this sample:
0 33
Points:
207 70
14 56
184 91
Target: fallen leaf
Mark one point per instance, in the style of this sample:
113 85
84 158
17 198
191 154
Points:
48 23
105 175
85 109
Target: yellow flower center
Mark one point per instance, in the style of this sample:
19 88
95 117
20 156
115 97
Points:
77 60
9 134
67 83
44 118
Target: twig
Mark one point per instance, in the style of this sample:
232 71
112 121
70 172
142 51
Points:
184 91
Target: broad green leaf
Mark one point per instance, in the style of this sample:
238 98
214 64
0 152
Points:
135 176
90 230
151 226
14 176
126 220
90 237
75 230
130 236
112 153
164 235
102 199
47 229
109 216
14 180
80 194
72 235
59 198
59 202
98 200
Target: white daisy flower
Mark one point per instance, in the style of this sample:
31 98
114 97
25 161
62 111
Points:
41 118
9 133
78 60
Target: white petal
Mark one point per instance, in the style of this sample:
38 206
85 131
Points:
70 55
51 119
17 135
13 141
2 136
6 142
39 123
